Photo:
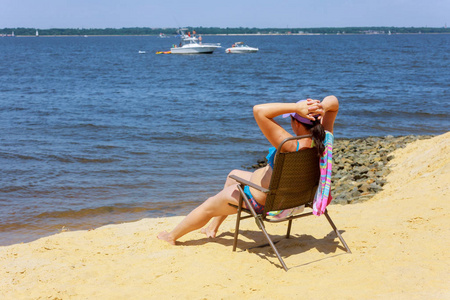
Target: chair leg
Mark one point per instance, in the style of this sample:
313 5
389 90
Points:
238 220
337 232
288 234
273 246
242 198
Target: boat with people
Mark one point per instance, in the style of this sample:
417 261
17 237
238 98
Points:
240 47
191 44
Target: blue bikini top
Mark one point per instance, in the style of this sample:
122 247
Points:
271 156
272 151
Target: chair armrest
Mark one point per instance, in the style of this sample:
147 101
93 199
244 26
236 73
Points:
250 184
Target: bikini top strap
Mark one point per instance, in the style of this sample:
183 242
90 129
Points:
312 145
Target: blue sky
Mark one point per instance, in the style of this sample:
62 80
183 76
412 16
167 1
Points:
223 13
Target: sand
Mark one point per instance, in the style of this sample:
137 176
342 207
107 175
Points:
399 239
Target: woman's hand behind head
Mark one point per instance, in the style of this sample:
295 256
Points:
315 108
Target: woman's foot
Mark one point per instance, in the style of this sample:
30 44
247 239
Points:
165 236
208 232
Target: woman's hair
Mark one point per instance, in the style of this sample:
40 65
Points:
318 135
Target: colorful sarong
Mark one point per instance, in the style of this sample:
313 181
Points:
323 196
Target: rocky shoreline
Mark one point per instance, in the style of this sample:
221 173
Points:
360 166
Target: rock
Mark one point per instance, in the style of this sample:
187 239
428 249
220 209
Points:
375 187
355 193
362 170
364 187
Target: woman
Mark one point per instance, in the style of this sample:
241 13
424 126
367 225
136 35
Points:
307 117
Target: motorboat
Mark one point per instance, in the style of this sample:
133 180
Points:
191 44
239 47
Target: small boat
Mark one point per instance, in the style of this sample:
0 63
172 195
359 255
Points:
239 47
142 52
191 44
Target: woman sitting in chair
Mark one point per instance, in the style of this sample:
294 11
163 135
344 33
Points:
307 117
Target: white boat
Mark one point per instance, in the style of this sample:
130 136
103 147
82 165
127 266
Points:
239 47
190 44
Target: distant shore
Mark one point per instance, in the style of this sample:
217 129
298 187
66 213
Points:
147 31
221 34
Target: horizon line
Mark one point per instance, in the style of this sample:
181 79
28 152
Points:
240 27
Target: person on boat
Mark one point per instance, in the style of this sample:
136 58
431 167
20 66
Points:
307 117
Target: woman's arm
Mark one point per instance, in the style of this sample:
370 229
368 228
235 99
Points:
275 134
328 109
330 105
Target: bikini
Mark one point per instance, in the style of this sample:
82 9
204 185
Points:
259 208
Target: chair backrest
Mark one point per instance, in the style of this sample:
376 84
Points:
295 178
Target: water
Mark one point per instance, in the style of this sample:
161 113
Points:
94 133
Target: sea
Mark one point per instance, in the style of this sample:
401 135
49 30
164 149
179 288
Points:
96 132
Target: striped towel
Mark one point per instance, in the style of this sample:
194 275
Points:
323 196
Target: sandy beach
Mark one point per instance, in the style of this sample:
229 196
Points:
399 239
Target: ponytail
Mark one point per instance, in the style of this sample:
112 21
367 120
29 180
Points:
318 136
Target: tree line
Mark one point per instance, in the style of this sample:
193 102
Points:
217 30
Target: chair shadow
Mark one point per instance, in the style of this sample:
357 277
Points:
297 244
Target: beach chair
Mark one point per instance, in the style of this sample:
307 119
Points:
294 182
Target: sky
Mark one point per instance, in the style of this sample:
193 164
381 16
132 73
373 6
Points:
44 14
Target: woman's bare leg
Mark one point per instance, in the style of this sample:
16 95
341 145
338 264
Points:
243 174
211 230
212 207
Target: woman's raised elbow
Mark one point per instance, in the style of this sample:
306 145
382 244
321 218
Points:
332 103
332 98
257 109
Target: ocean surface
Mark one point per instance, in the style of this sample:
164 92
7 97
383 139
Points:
94 133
